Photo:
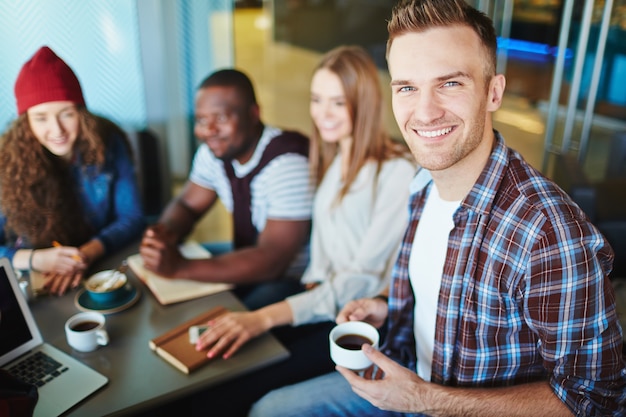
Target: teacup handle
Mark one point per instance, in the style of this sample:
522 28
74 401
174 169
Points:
102 337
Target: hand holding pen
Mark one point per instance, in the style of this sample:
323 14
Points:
62 266
68 258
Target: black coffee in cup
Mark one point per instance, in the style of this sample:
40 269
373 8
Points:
83 326
352 341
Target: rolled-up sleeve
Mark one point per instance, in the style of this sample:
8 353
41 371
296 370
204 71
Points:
571 306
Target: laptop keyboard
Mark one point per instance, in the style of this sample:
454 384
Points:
38 369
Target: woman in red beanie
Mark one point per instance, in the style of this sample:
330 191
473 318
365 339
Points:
68 192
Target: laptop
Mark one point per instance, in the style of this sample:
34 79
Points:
68 382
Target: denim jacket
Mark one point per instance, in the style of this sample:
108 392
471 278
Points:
110 199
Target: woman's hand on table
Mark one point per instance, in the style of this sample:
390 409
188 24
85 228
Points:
58 284
228 333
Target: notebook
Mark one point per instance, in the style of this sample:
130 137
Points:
174 346
21 340
168 290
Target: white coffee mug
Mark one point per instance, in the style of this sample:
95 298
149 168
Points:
346 340
85 331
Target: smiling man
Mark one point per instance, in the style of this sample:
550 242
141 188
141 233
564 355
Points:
500 303
261 175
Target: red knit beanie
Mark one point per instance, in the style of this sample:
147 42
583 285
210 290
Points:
46 77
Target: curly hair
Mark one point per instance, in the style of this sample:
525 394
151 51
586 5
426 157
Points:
37 191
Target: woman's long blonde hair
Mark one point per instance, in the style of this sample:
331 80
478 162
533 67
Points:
358 75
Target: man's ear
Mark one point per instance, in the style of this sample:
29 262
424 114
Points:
496 92
255 112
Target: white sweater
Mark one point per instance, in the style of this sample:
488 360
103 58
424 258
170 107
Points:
354 244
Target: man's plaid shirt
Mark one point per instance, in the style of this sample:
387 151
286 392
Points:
524 294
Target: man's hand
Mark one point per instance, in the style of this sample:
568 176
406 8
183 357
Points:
159 251
390 386
398 390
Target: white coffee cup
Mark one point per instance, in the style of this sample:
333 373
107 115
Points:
346 340
85 331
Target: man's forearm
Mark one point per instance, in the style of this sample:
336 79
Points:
533 399
243 266
178 218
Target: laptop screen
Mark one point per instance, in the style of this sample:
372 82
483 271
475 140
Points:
16 336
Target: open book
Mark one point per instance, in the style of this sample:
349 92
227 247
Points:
174 345
174 290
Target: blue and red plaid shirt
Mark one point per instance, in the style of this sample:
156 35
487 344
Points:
524 294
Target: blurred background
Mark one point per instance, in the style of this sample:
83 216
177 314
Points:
140 61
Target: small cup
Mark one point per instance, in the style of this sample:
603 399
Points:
85 331
107 287
346 340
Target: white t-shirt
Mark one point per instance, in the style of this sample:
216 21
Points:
426 261
283 190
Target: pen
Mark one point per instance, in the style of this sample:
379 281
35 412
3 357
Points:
58 245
